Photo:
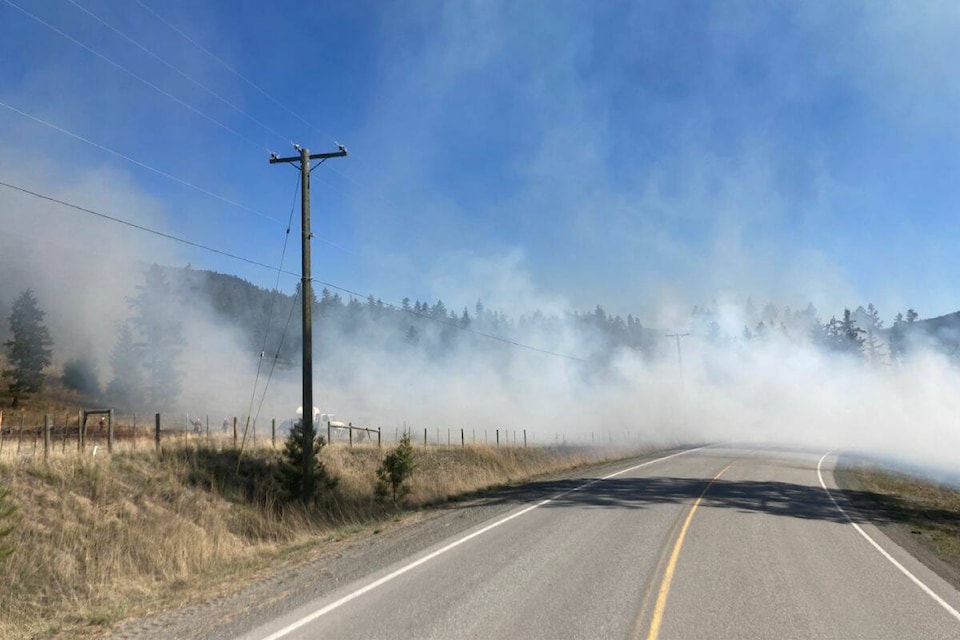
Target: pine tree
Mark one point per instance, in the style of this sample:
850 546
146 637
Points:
851 336
411 336
395 470
760 331
29 349
872 324
843 336
289 474
898 334
160 338
126 387
873 348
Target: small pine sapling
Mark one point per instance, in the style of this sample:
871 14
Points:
289 473
397 467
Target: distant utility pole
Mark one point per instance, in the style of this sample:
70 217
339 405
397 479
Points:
679 358
306 296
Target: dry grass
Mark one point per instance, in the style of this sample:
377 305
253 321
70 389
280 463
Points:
931 510
101 538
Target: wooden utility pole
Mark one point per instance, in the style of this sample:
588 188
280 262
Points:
306 297
679 335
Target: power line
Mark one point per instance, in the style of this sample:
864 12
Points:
167 94
226 66
140 227
136 76
160 172
227 254
276 357
378 192
374 190
143 165
273 300
176 69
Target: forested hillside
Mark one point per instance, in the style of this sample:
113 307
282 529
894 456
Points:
183 319
427 327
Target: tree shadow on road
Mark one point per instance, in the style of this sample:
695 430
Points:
752 497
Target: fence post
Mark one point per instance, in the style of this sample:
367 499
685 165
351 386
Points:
350 433
273 432
156 434
524 438
110 432
208 426
46 436
463 442
498 437
448 436
79 431
378 437
234 432
424 436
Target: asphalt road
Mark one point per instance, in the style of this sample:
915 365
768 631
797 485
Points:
722 542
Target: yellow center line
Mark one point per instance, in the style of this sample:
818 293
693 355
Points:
657 618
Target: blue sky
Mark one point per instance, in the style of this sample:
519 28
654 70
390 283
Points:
642 155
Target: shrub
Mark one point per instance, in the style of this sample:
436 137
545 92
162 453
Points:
395 469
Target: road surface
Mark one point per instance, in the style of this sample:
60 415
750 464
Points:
720 542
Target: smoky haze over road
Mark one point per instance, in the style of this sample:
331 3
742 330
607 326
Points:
720 542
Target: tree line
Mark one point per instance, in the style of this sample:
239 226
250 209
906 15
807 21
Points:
146 360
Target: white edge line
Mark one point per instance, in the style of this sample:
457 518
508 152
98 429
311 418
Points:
930 592
456 543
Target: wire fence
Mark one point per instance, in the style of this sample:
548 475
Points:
93 432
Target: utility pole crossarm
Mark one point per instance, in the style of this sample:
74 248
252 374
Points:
275 159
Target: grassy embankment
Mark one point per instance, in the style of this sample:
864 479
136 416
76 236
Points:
921 515
101 538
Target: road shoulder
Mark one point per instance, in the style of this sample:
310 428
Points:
918 516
